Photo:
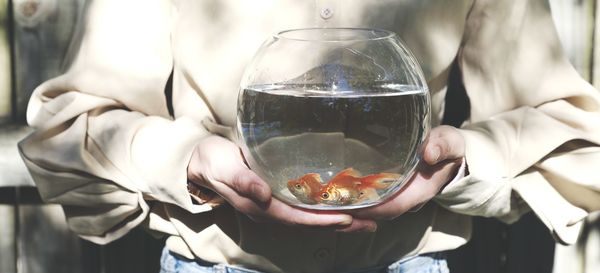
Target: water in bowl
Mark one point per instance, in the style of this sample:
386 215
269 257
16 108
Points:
324 149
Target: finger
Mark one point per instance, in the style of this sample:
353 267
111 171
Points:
278 211
248 184
417 207
423 186
296 216
226 165
359 225
445 142
388 210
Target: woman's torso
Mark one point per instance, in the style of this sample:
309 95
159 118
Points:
212 43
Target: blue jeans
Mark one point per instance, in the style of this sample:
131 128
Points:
426 263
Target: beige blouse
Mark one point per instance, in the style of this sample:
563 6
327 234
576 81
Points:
107 149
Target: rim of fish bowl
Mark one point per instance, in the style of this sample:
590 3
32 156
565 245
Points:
383 34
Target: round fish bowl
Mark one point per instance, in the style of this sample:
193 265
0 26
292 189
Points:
333 118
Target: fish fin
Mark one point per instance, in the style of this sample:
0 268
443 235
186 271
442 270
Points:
347 172
368 194
314 181
313 177
380 180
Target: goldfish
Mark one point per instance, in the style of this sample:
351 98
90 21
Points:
306 188
346 187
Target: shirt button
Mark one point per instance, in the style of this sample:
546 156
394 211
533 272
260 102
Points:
322 254
503 259
326 13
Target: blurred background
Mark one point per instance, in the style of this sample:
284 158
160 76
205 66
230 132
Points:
35 37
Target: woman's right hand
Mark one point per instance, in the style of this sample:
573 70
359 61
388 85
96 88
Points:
218 165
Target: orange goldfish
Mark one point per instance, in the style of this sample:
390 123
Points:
349 187
306 188
346 187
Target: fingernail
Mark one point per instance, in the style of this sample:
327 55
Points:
434 154
371 228
346 221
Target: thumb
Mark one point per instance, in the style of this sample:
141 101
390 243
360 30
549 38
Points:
445 142
248 184
217 160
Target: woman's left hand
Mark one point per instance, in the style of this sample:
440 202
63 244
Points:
442 156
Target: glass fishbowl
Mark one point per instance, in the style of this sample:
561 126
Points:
333 118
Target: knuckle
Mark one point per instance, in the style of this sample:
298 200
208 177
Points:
446 148
240 182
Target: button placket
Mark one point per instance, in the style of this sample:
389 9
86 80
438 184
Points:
323 251
322 254
503 259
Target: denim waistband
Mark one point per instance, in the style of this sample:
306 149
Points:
424 263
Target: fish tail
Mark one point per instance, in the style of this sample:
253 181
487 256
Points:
380 180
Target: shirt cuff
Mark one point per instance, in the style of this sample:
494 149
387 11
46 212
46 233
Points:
460 174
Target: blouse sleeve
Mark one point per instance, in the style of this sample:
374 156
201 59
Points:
105 146
533 137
